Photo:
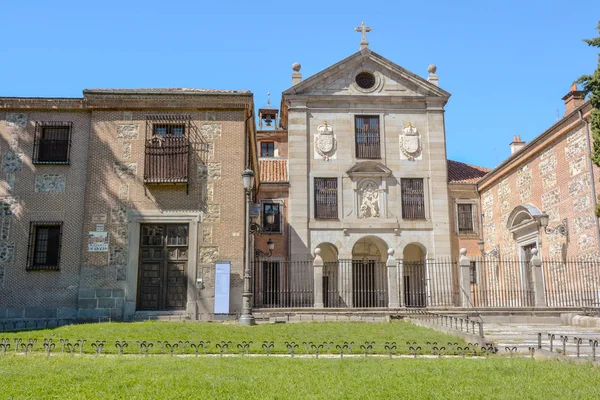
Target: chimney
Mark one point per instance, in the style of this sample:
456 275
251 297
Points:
516 145
573 99
296 75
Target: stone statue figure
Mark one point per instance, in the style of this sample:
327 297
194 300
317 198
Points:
369 207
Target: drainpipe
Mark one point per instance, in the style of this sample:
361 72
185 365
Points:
592 179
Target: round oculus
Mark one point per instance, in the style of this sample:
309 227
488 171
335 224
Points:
365 80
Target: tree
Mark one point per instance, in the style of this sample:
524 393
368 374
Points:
591 86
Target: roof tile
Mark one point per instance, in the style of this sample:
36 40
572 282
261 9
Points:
459 172
273 171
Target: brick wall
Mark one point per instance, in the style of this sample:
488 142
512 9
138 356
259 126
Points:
33 192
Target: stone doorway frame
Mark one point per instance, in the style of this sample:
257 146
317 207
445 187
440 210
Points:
137 217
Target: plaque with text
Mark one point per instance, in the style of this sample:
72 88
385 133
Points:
222 276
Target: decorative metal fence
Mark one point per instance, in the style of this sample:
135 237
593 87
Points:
494 282
283 284
354 283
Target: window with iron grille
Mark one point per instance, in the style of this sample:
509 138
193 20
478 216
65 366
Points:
275 209
267 149
326 198
44 246
367 137
167 148
473 272
465 218
52 142
413 198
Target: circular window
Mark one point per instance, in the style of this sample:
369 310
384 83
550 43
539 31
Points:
365 80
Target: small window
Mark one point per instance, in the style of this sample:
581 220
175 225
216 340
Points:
326 198
275 210
44 246
52 142
367 137
465 218
365 80
267 149
413 198
473 272
168 129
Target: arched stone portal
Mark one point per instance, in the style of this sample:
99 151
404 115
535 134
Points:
331 277
415 276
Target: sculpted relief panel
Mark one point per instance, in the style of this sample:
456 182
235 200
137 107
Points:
410 143
369 200
325 142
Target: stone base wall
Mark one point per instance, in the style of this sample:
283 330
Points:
101 303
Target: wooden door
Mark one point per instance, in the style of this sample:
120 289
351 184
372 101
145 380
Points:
162 279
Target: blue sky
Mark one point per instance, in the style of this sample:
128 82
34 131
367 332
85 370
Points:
506 63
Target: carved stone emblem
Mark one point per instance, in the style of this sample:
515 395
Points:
369 205
325 143
410 142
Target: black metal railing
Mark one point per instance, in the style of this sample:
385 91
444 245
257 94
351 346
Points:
355 283
413 198
166 159
283 284
367 137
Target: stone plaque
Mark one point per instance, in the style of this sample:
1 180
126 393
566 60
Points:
98 218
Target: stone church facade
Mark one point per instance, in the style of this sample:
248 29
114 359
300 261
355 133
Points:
121 204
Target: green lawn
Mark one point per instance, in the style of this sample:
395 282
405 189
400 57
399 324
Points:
164 377
316 333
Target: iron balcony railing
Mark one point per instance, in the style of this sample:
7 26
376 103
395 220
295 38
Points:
166 159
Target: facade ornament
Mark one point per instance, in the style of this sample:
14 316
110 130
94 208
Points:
369 205
325 143
410 142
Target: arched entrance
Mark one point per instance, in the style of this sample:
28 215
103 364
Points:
415 276
367 272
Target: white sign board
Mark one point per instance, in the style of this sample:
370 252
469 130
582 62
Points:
222 275
97 241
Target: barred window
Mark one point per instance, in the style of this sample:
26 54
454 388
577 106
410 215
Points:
413 198
166 158
52 142
326 198
367 137
44 246
465 218
168 129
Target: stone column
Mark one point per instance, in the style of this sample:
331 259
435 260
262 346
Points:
538 283
465 279
318 279
392 274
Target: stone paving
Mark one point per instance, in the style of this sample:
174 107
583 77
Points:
524 336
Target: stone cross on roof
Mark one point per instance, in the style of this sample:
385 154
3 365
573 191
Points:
363 29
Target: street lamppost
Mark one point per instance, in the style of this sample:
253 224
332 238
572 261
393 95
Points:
251 228
247 318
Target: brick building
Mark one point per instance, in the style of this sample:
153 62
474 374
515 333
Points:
122 201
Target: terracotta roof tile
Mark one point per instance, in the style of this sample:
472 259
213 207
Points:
165 90
273 171
459 172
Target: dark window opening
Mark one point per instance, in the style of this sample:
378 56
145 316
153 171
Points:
473 272
267 149
413 198
275 209
326 203
168 129
44 246
367 137
52 142
365 80
465 218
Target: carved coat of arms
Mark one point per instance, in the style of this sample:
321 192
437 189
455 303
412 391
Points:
325 143
410 142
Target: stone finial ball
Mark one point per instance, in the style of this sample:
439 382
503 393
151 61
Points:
431 69
296 66
317 251
534 251
463 252
391 252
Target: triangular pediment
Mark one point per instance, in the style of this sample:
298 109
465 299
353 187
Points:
369 168
390 79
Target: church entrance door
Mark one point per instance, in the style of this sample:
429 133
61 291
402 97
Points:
162 278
